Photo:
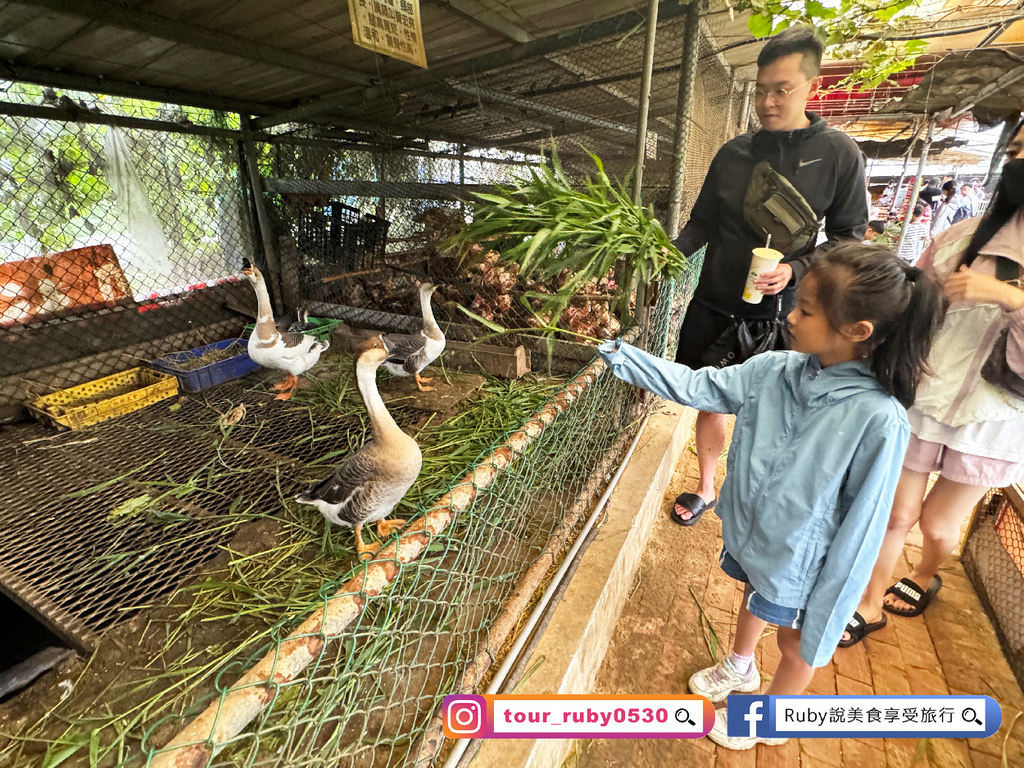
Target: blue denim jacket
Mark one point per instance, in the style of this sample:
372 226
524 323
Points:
812 470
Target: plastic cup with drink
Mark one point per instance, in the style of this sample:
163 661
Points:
762 261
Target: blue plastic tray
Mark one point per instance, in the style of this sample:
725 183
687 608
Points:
198 379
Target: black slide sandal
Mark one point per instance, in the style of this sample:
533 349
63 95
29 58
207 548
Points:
909 592
858 629
695 504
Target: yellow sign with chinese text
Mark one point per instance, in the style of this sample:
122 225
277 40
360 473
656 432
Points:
391 27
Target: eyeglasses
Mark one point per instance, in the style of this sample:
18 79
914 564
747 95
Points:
777 95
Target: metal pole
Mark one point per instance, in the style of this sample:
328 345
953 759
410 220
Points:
728 105
912 199
684 104
903 173
462 177
267 235
748 98
645 101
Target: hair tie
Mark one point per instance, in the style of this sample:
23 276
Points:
912 273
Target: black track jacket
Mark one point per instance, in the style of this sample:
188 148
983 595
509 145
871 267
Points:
826 167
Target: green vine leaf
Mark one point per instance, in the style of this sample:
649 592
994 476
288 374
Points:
759 26
856 29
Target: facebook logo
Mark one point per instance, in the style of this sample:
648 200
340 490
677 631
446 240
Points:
748 716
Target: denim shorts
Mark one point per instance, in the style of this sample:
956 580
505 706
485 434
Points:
763 609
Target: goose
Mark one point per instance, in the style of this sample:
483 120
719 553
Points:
369 483
293 353
408 354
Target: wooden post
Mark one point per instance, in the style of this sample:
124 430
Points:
262 217
641 137
684 104
645 101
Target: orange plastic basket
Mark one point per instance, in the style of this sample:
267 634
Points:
105 398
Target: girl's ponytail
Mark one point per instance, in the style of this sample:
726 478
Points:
905 305
899 361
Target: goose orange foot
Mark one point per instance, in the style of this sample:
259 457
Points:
420 383
365 551
386 527
288 382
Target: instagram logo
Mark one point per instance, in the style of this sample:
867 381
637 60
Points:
463 716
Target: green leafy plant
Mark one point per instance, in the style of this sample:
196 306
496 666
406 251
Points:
865 30
552 230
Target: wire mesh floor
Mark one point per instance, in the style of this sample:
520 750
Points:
75 550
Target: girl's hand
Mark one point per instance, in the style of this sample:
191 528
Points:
967 285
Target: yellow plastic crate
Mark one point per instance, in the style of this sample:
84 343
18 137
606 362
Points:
105 398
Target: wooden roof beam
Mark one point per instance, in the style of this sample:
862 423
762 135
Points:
117 15
482 16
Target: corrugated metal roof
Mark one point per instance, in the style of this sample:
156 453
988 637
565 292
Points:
264 56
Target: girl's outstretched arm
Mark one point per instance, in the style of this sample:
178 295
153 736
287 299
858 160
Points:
708 389
867 500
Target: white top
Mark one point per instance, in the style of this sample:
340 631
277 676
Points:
913 243
976 417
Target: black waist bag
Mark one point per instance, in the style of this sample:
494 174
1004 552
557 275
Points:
773 206
744 338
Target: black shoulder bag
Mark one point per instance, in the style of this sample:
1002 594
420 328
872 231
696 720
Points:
744 338
997 370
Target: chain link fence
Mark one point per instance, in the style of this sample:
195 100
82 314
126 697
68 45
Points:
122 244
116 244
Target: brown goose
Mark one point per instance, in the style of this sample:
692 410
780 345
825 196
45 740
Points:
293 353
410 354
370 482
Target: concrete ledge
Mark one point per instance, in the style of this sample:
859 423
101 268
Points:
577 637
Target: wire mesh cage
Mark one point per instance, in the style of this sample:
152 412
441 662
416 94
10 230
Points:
371 697
116 244
993 558
197 558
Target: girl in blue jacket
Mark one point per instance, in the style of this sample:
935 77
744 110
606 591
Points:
815 456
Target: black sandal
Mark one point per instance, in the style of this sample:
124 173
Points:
696 506
909 592
858 629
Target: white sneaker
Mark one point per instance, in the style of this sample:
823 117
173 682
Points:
719 734
717 682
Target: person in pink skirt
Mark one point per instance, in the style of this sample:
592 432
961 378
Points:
965 428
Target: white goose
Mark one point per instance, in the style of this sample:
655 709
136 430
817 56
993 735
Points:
408 355
293 353
370 482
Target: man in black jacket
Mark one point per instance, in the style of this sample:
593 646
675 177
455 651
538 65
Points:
827 169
